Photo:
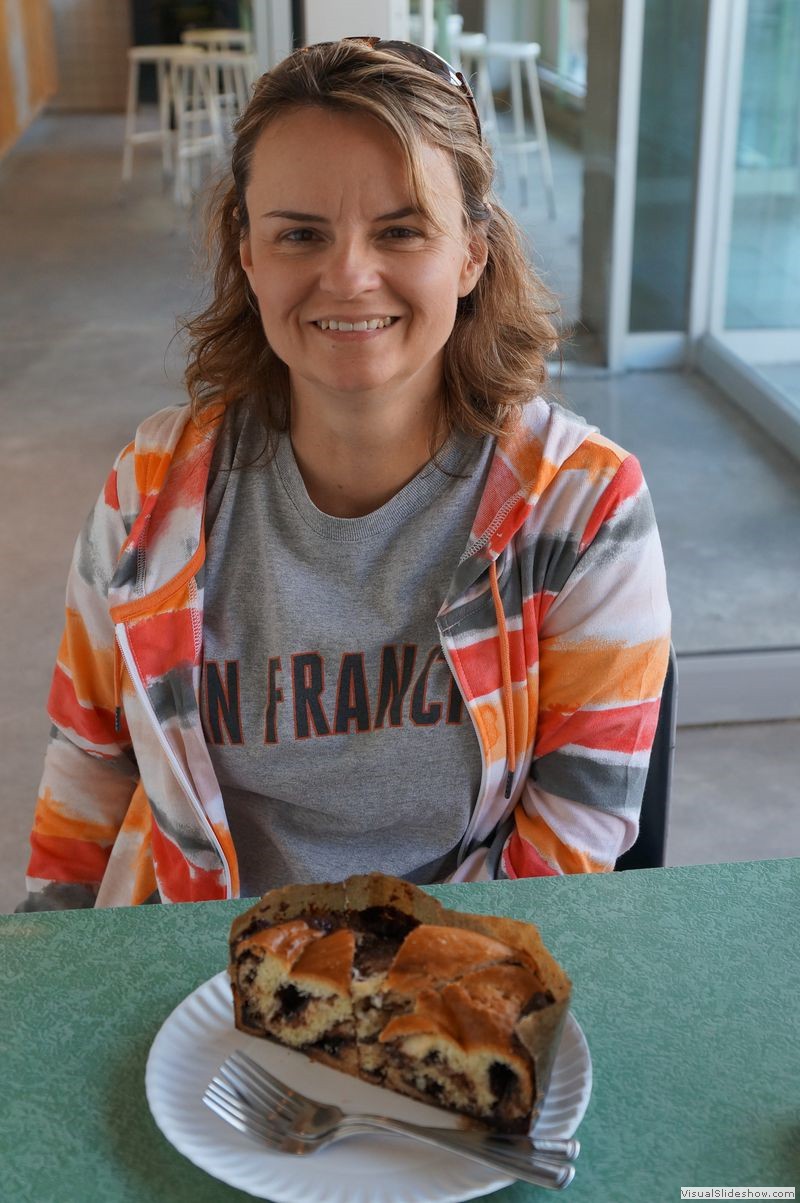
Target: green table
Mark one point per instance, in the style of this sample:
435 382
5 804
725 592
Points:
686 984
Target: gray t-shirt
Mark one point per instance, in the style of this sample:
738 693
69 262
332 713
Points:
335 727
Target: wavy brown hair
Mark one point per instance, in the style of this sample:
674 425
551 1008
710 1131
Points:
494 360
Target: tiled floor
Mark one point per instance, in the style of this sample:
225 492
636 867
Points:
97 276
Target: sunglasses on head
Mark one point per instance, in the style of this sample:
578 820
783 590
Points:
420 57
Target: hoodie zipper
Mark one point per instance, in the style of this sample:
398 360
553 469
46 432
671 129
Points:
482 786
174 763
119 668
508 703
505 671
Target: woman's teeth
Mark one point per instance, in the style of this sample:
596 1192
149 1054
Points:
375 323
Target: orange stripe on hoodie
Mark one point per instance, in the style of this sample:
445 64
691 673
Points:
595 459
144 875
622 729
183 473
535 841
110 496
54 818
137 827
226 841
586 672
55 858
94 724
163 640
150 468
521 859
90 668
525 457
481 662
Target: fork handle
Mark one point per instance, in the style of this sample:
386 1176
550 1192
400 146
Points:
554 1148
529 1165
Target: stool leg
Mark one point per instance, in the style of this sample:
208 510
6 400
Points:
197 90
162 76
130 120
541 137
518 109
229 89
181 163
211 84
200 115
486 109
241 87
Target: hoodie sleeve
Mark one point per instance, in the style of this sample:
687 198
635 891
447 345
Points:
603 651
89 771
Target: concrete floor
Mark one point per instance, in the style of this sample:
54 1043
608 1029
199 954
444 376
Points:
96 277
727 500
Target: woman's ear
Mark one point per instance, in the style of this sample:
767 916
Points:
246 259
477 253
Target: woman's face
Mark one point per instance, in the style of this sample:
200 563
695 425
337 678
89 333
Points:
334 238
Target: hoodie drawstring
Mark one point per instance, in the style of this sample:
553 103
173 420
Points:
119 668
505 669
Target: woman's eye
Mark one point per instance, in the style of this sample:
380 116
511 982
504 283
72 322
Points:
402 232
298 235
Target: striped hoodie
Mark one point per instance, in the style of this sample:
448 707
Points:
555 626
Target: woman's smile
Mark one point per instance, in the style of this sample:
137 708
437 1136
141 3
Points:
342 327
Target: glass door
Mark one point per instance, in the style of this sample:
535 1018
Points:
752 330
762 289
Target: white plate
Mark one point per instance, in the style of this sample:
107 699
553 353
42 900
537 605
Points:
198 1036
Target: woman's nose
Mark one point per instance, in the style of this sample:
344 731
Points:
350 268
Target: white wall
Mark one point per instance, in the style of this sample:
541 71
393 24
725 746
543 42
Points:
327 22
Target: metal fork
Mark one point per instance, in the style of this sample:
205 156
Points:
249 1098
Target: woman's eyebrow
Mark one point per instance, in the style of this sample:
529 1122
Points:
291 215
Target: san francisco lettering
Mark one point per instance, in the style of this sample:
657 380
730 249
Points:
401 694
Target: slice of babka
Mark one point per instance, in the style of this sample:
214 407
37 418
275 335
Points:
374 977
291 967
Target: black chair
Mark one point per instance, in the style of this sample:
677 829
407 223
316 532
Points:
649 850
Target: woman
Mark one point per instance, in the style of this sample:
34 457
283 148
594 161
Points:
369 602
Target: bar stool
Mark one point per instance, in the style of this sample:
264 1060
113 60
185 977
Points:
221 41
203 130
519 56
162 57
469 58
198 120
236 70
218 39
